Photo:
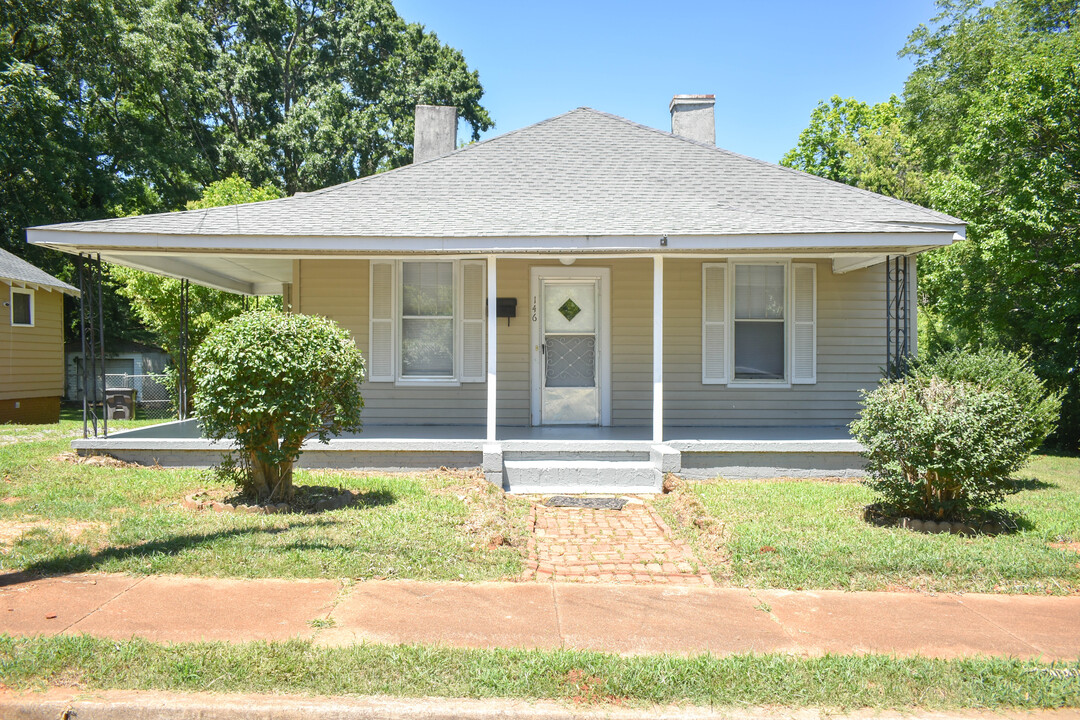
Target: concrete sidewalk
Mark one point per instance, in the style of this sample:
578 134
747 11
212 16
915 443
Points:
624 619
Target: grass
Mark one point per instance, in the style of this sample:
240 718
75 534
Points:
581 677
61 517
811 535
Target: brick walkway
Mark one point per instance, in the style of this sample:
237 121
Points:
632 545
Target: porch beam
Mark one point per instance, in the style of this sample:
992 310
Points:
658 348
492 347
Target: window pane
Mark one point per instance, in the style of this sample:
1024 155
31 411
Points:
570 361
427 288
427 348
759 350
20 309
759 292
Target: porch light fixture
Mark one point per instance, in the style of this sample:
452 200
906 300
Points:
567 260
663 241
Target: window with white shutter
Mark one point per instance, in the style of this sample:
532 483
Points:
759 323
714 323
803 323
473 278
427 321
381 346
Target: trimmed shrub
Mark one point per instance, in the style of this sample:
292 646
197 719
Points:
1038 410
270 381
944 441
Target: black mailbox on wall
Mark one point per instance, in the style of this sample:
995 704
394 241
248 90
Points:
506 307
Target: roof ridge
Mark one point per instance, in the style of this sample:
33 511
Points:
776 166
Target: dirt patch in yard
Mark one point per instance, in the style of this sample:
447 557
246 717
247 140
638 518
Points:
1066 546
710 534
94 460
11 531
491 522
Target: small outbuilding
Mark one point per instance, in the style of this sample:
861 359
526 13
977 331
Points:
31 342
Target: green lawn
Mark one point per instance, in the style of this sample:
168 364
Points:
578 677
811 535
57 516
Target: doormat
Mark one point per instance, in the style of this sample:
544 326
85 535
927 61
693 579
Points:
593 503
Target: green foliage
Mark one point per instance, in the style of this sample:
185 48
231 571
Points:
154 299
988 131
945 440
119 107
862 145
270 381
1009 373
233 190
938 449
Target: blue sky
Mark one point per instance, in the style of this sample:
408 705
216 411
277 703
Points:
768 63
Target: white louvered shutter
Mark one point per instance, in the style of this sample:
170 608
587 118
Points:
714 323
472 320
803 323
381 346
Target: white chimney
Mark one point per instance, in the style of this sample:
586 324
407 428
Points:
434 131
692 117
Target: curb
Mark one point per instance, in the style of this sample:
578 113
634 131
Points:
133 705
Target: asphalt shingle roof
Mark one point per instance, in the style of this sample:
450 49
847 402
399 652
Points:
14 269
583 173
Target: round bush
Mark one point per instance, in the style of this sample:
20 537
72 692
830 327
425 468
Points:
944 441
270 381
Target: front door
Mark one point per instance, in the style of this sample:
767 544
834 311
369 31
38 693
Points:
569 367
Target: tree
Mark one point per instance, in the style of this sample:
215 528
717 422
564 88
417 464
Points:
863 145
995 99
310 93
270 381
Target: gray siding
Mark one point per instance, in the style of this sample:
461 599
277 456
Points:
850 354
850 334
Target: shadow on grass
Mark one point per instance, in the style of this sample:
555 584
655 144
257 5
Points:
89 561
1030 483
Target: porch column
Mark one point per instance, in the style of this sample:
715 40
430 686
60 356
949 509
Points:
658 349
492 347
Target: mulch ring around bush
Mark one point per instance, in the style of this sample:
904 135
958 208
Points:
306 499
878 515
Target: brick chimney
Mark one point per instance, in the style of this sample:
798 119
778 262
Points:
692 117
435 131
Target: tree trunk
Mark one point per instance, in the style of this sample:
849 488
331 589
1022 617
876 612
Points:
270 482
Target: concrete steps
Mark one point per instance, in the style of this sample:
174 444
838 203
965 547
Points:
579 468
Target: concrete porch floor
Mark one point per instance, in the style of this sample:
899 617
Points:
617 453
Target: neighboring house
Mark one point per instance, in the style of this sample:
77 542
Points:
127 365
31 342
582 280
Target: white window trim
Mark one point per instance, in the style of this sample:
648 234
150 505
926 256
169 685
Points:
729 345
33 309
729 327
451 380
458 289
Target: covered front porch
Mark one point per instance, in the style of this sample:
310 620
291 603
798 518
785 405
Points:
533 459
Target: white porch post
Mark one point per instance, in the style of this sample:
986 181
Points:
492 347
658 349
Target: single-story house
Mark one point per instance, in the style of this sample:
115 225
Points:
582 303
31 342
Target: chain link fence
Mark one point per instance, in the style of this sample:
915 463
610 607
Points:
149 396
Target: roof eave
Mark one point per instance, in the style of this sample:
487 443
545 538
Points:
82 241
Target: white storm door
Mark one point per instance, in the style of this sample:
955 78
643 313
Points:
570 352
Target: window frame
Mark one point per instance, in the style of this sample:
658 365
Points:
11 306
454 378
729 345
730 264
